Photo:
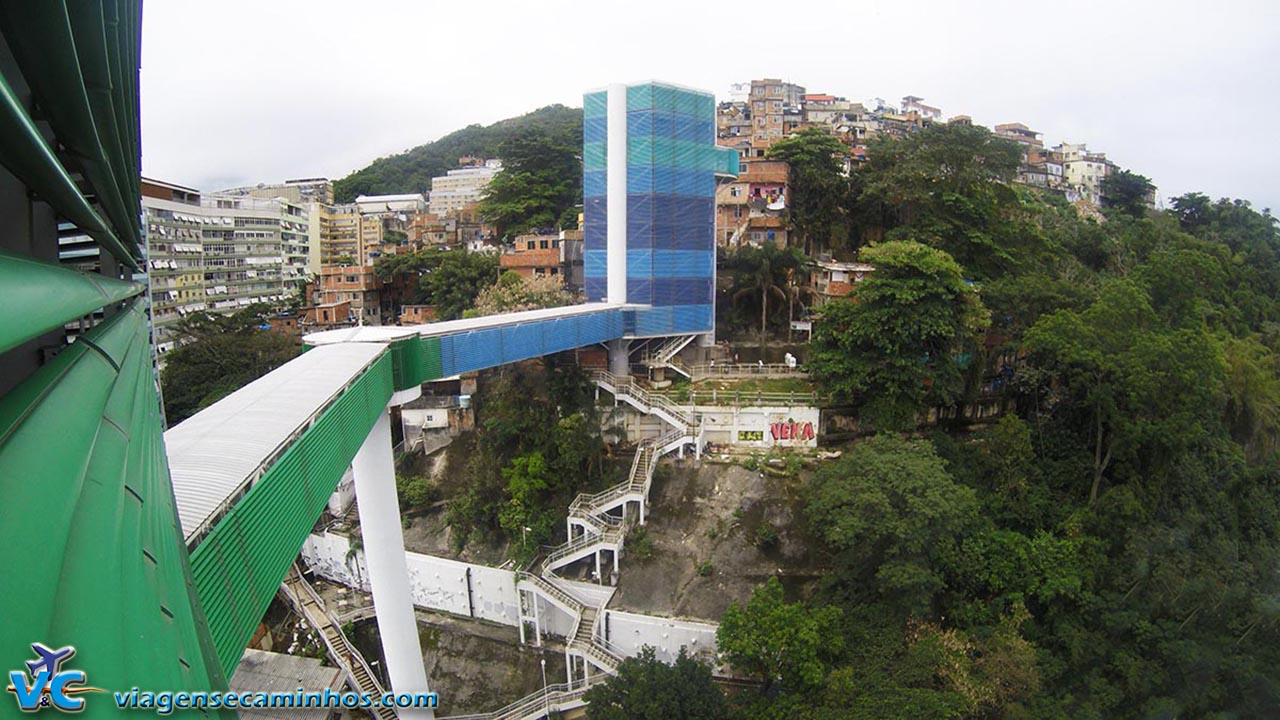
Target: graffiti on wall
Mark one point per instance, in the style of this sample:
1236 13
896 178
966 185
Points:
791 430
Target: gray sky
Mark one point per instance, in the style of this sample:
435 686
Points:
239 92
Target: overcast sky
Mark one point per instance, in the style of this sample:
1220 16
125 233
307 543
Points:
239 92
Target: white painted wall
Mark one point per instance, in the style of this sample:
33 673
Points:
436 583
416 420
343 495
725 425
631 631
441 584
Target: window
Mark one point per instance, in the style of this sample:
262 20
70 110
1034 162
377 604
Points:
543 245
531 245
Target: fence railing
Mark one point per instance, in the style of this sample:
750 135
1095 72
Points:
733 370
740 398
539 703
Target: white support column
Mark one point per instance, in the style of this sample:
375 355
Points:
619 360
599 575
380 529
537 621
616 194
641 511
520 599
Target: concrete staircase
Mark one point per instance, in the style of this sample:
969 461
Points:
665 355
310 607
593 528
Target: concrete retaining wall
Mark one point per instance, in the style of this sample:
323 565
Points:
628 632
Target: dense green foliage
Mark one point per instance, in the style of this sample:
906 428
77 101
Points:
412 170
817 184
538 443
779 642
514 293
540 184
1127 192
452 280
948 187
218 355
764 272
646 688
1110 546
892 347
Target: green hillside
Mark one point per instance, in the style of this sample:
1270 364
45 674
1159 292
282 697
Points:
412 170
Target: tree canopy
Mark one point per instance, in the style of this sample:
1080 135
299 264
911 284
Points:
217 355
817 184
646 688
412 170
540 184
514 293
894 346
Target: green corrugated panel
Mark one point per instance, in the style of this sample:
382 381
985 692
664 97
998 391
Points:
27 155
43 297
98 559
242 561
407 363
432 364
704 105
664 98
595 104
42 42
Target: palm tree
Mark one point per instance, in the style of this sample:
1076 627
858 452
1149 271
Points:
796 293
764 270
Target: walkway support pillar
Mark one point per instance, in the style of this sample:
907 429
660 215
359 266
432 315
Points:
619 358
616 194
375 480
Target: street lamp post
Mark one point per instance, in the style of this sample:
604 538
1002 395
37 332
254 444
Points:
546 699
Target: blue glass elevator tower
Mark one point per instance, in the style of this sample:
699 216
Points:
671 165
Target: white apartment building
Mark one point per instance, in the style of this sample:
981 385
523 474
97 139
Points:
1084 171
382 204
459 188
219 253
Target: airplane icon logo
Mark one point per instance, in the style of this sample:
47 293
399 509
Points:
46 684
50 660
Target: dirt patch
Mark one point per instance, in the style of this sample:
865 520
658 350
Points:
474 666
717 531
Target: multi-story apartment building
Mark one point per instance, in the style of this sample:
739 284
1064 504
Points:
356 285
1083 171
302 191
219 253
773 103
745 207
458 188
539 255
912 104
1021 134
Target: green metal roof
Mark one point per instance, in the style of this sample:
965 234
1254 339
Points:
51 296
96 557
